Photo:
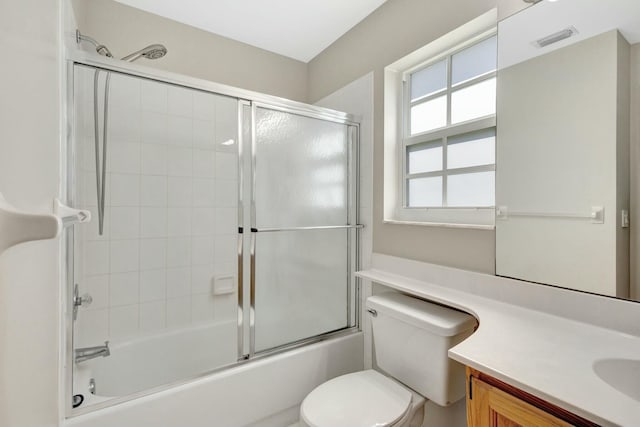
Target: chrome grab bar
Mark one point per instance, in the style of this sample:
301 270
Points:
596 215
321 227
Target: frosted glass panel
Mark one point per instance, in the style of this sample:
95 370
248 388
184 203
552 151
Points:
475 61
425 192
473 189
425 158
429 115
429 80
170 233
301 171
474 101
473 149
302 281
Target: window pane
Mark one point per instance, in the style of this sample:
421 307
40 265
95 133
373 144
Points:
424 158
429 115
474 61
473 149
474 101
425 192
471 189
429 80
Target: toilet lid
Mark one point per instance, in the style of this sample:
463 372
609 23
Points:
361 399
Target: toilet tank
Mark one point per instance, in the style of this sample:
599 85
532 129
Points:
411 338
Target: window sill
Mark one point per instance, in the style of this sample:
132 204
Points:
441 224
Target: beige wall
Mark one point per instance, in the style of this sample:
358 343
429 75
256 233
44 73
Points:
394 30
623 166
192 52
29 179
635 173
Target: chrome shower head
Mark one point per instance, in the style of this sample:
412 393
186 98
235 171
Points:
154 51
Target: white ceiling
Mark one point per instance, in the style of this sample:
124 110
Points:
590 17
299 29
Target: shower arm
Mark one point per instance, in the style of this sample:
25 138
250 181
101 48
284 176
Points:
100 48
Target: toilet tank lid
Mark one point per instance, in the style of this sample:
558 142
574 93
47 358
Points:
443 321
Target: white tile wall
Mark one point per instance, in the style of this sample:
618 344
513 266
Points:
124 255
153 190
124 321
178 312
153 316
153 285
154 96
98 288
125 222
125 125
179 191
153 159
171 210
123 289
154 128
124 157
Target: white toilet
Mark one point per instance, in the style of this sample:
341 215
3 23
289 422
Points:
411 338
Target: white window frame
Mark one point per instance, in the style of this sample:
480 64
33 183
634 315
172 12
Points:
398 138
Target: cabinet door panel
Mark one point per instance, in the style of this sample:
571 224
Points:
492 407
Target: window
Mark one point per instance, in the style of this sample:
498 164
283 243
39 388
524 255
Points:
440 130
449 134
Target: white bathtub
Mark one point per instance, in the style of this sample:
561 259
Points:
262 393
145 363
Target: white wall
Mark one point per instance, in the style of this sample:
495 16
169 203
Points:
29 178
191 51
558 149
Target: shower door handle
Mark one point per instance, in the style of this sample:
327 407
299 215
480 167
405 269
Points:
319 227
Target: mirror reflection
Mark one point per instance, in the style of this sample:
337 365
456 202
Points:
566 107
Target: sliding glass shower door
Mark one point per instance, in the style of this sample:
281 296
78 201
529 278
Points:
159 281
223 228
302 217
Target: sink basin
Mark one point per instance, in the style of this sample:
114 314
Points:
621 374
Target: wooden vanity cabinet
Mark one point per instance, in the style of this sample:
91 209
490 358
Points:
493 403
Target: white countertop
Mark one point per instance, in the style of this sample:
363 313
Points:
546 355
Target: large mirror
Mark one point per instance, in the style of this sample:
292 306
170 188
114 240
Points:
569 72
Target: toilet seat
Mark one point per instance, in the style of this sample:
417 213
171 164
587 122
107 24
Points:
361 399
